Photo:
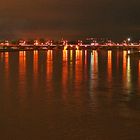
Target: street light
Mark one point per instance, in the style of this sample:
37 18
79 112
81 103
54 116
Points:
128 39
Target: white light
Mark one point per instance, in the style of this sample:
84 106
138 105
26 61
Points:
128 39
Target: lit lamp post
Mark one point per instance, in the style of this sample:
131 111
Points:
128 40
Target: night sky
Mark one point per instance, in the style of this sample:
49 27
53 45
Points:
69 19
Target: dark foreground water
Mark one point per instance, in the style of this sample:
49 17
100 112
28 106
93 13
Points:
69 95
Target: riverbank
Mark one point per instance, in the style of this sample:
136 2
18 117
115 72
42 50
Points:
39 48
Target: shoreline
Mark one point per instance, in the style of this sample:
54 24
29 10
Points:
85 48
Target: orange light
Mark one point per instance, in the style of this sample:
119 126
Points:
65 47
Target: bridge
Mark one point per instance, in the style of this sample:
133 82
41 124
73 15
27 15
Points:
26 47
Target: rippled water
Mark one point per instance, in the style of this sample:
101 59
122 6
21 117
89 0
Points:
69 95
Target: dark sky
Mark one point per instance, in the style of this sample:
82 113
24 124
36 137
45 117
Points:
71 19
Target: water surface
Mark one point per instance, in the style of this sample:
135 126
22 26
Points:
69 95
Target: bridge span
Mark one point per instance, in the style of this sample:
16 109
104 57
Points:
12 47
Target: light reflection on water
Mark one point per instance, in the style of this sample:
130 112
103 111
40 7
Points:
74 94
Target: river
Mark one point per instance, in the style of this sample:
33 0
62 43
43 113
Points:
69 95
